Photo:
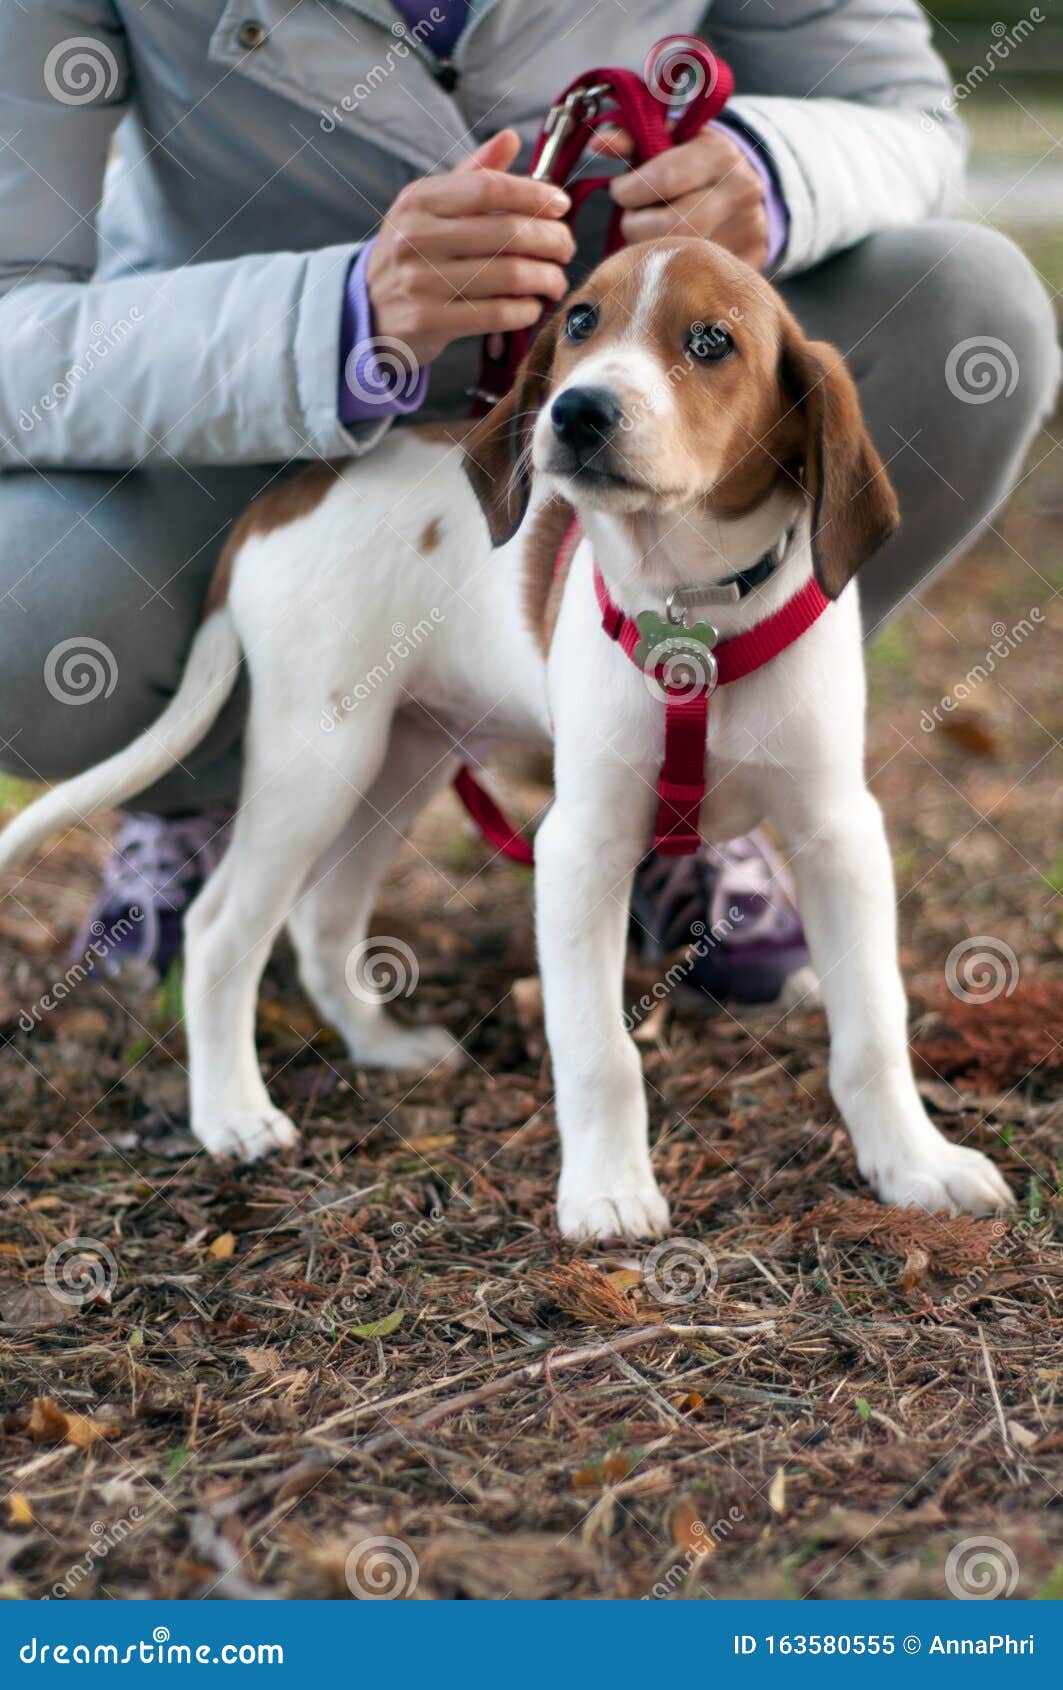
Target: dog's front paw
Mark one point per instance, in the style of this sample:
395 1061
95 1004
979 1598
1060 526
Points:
944 1176
247 1134
630 1211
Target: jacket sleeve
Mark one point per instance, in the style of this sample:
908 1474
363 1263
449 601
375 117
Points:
851 102
231 362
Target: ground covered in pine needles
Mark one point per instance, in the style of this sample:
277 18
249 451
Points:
374 1367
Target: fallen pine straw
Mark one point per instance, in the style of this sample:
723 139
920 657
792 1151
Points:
549 1366
952 1244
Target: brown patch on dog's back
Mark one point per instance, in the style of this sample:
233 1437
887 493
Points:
544 582
430 536
292 497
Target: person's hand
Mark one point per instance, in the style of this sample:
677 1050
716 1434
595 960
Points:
472 252
705 187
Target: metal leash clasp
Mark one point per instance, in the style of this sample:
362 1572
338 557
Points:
579 104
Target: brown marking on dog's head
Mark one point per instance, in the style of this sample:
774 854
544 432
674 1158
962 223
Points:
286 501
675 378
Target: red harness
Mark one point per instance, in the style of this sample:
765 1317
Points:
702 668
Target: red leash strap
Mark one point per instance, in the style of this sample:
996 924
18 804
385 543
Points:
681 73
496 829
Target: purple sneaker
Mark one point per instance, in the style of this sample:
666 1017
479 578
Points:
734 907
158 866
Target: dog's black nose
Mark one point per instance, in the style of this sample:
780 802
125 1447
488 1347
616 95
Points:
583 418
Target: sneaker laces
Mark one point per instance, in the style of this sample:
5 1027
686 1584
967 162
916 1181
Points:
746 874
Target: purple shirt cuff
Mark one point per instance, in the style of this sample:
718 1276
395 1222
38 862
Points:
774 204
378 375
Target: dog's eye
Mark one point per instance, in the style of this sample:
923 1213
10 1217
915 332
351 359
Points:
581 322
710 343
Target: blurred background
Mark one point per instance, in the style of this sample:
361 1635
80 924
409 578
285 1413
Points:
1007 61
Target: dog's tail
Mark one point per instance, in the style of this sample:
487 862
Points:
210 675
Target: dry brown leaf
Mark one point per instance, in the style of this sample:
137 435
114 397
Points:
687 1402
50 1424
916 1265
689 1532
222 1247
777 1493
265 1361
19 1512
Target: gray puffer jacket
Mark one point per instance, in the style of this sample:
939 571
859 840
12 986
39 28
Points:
187 304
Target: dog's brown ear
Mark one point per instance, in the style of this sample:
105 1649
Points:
498 451
854 507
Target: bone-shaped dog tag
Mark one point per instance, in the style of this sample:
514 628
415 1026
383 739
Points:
662 642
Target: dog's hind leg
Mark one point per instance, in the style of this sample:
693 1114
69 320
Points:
296 795
351 985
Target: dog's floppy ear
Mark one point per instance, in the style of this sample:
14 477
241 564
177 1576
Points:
498 451
854 508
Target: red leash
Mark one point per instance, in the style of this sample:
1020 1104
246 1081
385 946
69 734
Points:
680 72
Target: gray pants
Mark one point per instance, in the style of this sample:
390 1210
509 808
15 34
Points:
118 564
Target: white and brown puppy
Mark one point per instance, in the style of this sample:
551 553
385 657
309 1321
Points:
675 403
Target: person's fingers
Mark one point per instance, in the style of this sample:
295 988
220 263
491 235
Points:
489 316
708 158
496 278
482 237
611 143
496 153
482 191
692 214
